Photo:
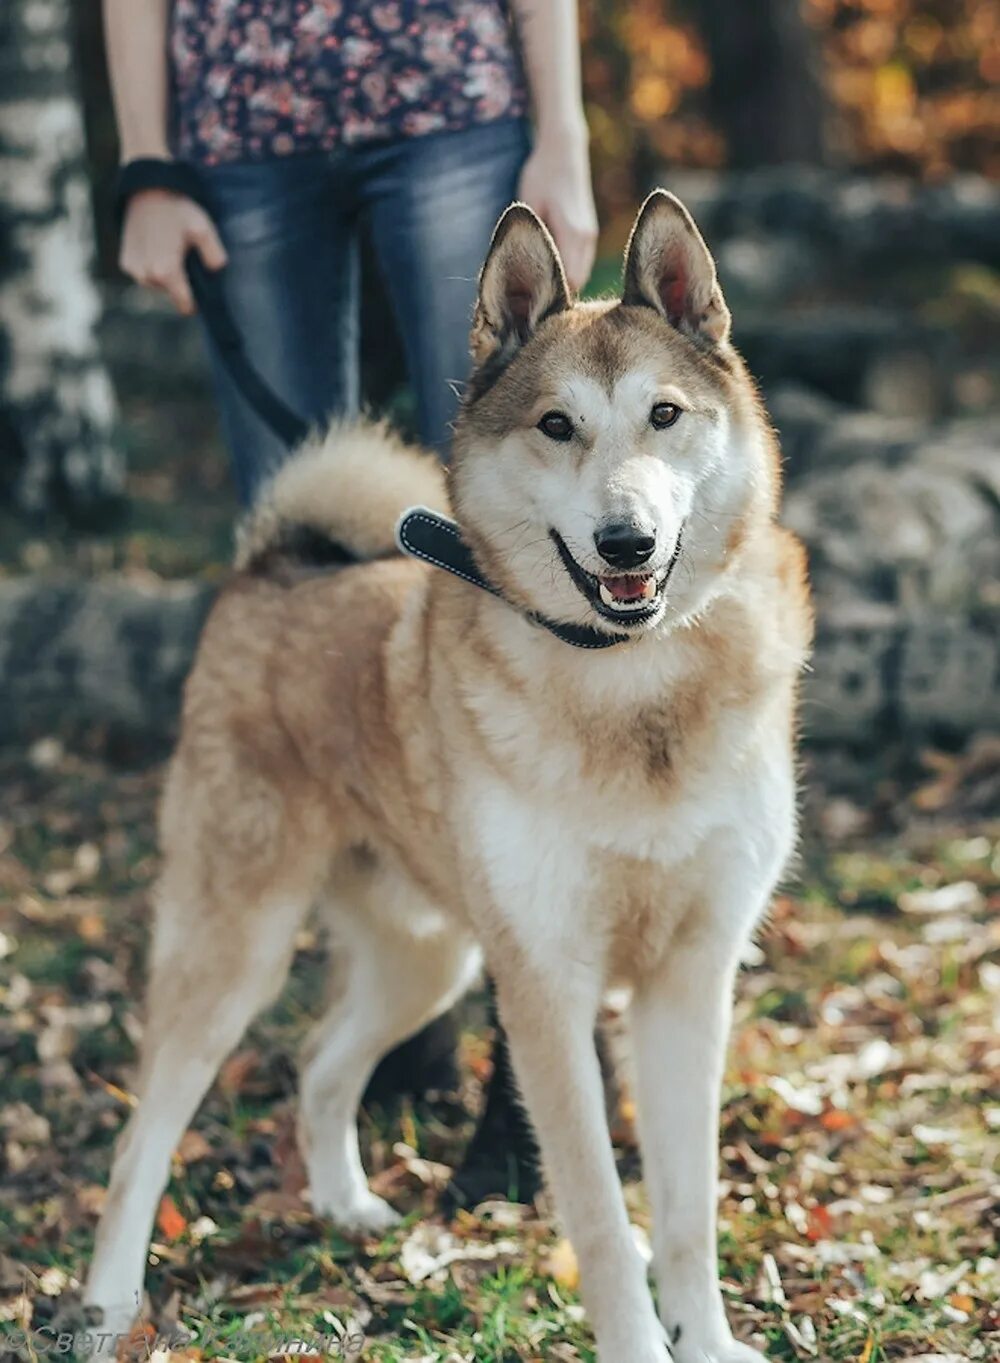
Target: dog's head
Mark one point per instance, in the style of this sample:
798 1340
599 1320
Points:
610 456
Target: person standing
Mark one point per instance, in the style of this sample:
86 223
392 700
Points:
305 120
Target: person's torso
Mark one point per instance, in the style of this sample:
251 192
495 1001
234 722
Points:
261 78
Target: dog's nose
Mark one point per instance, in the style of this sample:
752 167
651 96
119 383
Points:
625 544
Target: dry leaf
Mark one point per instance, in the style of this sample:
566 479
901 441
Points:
193 1147
237 1070
169 1219
560 1264
961 897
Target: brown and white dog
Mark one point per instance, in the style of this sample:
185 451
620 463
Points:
447 779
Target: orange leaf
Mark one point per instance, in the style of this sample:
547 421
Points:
836 1119
961 1302
137 1346
818 1224
91 927
169 1219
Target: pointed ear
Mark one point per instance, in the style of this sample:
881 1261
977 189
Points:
521 284
668 267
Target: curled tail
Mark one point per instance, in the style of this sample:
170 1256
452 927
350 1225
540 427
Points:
337 500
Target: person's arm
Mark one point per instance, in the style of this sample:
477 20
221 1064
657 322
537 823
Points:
160 227
555 181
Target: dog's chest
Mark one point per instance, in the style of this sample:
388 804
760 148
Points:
648 789
568 894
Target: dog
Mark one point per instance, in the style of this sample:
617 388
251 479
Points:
583 775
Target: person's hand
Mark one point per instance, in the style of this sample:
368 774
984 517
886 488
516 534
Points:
159 229
555 182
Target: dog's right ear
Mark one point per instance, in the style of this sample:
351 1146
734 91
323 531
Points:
521 284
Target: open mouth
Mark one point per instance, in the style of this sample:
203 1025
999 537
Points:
625 598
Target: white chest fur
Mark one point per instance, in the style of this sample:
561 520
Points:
566 869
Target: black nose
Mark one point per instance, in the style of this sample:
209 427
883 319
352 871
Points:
625 545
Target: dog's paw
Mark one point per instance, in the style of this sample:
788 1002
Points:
650 1347
726 1351
651 1351
366 1217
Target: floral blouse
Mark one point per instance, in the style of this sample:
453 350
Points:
263 78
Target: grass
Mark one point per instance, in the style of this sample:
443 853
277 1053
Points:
860 1134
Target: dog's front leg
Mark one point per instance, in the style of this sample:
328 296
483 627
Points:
680 1019
549 1012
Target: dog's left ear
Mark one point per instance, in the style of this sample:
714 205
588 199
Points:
521 284
668 267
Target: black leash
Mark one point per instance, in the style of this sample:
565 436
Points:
180 177
210 295
437 539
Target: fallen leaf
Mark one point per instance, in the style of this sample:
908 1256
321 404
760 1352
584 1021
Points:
819 1224
193 1147
90 1198
169 1220
256 1294
560 1264
430 1249
836 1119
237 1070
961 896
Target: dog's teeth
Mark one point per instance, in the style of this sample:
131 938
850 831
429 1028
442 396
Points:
649 588
606 596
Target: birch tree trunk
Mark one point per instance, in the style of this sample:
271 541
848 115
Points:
58 446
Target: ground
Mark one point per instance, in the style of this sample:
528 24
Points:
860 1136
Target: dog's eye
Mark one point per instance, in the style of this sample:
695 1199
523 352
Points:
664 414
556 425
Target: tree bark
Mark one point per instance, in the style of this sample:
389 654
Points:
58 426
766 91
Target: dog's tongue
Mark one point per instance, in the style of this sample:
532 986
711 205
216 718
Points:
626 588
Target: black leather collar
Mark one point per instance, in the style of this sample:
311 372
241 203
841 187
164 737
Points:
438 540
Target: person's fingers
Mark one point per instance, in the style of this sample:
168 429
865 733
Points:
173 282
581 258
209 245
573 264
576 247
129 267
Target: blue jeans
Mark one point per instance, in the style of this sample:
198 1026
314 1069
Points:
291 228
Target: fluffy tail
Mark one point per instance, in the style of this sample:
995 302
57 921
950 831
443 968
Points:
338 498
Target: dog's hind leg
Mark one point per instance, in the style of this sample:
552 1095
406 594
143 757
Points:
206 983
389 981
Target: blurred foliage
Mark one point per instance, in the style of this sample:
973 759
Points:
911 88
914 82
